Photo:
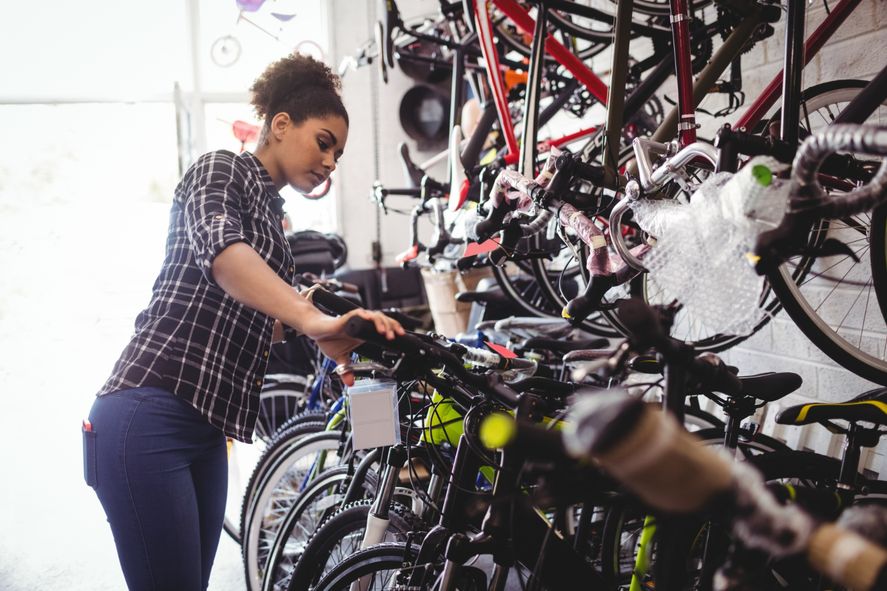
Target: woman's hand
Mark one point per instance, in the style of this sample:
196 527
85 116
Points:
329 333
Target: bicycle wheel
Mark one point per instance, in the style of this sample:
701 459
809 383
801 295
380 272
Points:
661 7
836 302
340 536
300 427
314 506
278 487
243 459
584 37
383 564
629 529
878 252
279 402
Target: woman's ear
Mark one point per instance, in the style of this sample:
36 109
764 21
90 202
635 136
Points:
280 123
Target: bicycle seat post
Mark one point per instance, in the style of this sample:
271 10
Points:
857 438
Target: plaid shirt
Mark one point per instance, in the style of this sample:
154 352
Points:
193 339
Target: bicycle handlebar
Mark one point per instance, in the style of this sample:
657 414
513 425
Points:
809 201
669 469
681 474
646 331
813 152
423 352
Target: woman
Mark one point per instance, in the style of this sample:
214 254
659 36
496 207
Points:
191 375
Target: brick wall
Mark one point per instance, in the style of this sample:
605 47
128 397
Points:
857 50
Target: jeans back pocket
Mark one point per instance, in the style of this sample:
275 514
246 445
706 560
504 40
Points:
89 455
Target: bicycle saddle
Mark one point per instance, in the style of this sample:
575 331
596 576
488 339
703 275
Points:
559 346
770 386
547 386
482 297
587 355
870 407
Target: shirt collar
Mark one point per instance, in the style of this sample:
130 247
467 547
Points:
263 174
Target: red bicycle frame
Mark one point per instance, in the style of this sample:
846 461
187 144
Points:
564 56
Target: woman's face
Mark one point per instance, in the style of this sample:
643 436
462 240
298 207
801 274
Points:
308 152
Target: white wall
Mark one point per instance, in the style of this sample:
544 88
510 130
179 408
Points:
351 25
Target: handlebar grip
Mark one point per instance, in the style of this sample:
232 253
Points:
363 329
864 567
485 228
466 263
390 21
499 430
413 173
647 451
332 302
589 172
641 321
580 307
471 154
850 138
430 184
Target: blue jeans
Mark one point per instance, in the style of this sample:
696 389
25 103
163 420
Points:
161 473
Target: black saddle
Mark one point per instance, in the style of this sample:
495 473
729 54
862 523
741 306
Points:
562 347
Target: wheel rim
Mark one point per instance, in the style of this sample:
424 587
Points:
836 304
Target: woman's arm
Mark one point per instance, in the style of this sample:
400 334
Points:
247 278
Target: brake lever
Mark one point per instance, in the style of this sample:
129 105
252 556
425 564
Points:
830 247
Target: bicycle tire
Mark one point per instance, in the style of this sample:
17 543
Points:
662 7
270 455
278 403
878 236
340 535
851 336
309 422
314 506
276 491
391 557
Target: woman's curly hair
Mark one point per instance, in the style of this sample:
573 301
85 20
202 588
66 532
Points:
299 86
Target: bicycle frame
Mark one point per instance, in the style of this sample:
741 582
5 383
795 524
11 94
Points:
773 91
552 46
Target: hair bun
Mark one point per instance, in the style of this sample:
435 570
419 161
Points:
288 77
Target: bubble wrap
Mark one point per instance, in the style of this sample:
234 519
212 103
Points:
699 257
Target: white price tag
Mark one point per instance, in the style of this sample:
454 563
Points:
372 411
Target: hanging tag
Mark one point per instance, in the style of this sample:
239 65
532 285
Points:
372 411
